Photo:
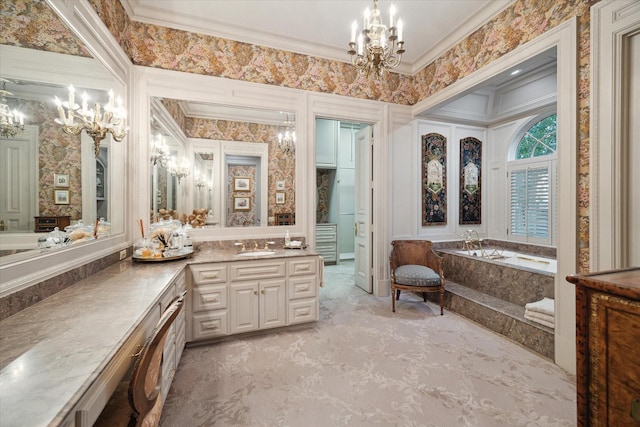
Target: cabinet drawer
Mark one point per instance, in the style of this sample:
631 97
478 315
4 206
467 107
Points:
303 266
326 233
209 325
302 287
166 299
209 297
209 274
328 251
301 311
253 271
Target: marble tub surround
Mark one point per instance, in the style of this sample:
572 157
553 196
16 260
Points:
494 294
53 351
524 248
17 301
516 285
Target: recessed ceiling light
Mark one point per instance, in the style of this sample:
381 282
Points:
516 71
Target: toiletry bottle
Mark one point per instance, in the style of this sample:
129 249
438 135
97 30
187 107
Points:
287 239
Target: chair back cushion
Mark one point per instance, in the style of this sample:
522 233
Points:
416 275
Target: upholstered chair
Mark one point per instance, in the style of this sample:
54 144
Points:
415 267
138 400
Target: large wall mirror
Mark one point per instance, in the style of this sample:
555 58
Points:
240 170
46 174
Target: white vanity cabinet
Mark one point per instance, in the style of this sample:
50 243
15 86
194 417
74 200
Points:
228 298
176 340
90 406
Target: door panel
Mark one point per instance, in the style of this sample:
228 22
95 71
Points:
363 258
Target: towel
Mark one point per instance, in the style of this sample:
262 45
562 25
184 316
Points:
532 316
544 306
540 316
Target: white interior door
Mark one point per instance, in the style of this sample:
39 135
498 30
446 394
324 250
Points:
633 256
18 159
363 229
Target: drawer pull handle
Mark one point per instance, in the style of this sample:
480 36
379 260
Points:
256 292
210 325
211 299
635 409
210 275
304 312
262 292
138 351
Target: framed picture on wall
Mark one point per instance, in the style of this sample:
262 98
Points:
61 197
241 183
61 180
280 185
241 203
279 198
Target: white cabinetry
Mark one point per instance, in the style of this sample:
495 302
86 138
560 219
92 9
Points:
93 401
327 242
326 143
244 296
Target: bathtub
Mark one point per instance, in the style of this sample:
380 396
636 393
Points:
527 261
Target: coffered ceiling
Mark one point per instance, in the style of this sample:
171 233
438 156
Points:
321 27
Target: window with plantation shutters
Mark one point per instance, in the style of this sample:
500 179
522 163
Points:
531 180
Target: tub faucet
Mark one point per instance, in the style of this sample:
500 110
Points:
472 242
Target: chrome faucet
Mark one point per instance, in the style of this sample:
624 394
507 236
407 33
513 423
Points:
240 244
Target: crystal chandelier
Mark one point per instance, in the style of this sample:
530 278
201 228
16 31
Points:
287 140
374 50
11 122
179 172
96 121
159 151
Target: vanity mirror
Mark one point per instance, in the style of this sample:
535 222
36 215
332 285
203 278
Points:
239 159
50 178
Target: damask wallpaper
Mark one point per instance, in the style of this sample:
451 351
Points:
161 47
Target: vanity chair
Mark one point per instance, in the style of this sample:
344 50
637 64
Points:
415 267
138 401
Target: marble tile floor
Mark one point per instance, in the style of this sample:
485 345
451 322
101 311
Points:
362 365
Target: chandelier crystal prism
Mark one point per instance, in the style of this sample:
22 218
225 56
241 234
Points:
97 122
287 139
11 122
377 48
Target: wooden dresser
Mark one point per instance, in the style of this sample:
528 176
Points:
48 223
608 347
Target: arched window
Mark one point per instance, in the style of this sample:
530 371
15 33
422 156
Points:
539 139
532 184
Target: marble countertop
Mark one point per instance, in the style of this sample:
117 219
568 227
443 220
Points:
51 352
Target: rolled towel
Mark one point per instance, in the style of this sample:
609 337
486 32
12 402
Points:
541 316
540 321
545 306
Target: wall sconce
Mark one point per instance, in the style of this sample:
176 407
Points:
96 122
11 122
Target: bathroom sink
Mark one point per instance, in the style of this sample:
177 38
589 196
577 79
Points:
257 253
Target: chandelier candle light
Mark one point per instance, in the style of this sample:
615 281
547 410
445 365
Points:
374 50
96 121
181 171
11 122
159 151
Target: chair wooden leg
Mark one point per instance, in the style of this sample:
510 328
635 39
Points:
424 296
441 303
393 300
398 294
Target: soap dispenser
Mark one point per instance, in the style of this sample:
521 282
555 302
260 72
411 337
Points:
287 239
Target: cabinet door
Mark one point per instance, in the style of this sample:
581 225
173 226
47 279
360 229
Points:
273 304
326 147
243 307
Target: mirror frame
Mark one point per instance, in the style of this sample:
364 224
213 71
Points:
83 21
152 82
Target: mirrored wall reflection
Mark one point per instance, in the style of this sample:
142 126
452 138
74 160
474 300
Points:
242 172
49 178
